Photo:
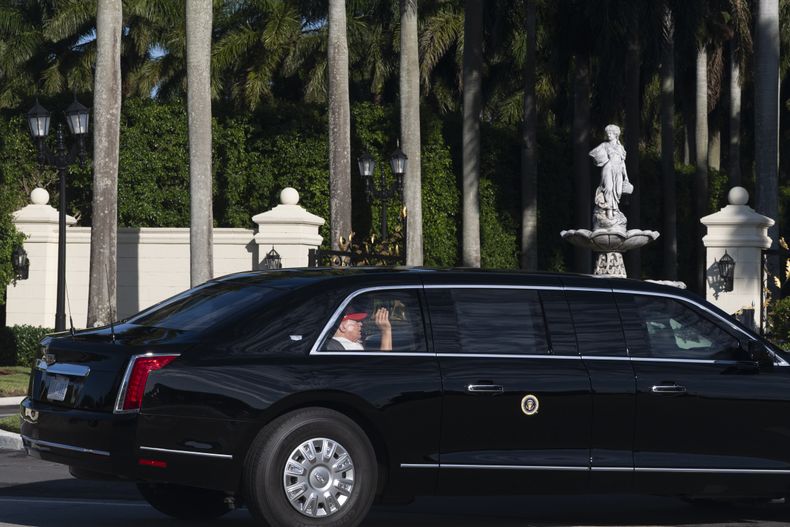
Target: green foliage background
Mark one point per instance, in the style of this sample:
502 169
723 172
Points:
285 144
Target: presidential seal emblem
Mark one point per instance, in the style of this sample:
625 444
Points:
530 405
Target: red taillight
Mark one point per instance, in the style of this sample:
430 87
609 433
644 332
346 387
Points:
152 463
137 379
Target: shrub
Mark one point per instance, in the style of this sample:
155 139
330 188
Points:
779 321
19 345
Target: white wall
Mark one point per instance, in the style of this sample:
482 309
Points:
153 263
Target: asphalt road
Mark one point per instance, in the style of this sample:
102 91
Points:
40 494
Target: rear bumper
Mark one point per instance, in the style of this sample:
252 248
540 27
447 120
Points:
103 443
94 441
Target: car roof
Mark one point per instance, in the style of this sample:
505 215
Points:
293 278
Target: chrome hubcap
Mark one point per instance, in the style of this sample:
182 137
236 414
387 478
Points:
318 478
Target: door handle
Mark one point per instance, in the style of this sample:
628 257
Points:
485 388
668 389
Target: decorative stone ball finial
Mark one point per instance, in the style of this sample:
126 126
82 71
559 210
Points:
289 196
39 196
738 196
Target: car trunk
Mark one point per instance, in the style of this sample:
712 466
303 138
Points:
85 371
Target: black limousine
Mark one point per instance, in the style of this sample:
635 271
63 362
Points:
308 394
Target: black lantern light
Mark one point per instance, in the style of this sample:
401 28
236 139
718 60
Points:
38 121
60 157
77 118
398 165
727 270
20 263
272 260
383 192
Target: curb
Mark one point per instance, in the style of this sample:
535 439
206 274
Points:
10 441
11 401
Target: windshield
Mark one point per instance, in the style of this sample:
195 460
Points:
204 306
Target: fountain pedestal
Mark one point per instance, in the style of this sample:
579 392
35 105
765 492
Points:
610 243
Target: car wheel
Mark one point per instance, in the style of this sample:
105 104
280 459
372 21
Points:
313 467
186 503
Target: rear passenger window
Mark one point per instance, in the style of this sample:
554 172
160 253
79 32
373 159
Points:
597 321
386 320
487 321
668 329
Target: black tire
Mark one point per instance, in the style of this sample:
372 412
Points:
184 503
264 478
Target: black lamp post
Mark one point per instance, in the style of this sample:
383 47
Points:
77 118
272 260
383 193
727 271
20 263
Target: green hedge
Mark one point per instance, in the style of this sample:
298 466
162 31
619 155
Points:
19 345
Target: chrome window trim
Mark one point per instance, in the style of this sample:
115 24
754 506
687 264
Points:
63 368
186 452
606 357
509 356
38 443
686 361
328 326
494 286
118 408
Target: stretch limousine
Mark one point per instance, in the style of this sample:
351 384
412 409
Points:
305 395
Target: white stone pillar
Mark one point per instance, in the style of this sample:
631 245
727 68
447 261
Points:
743 234
290 229
32 301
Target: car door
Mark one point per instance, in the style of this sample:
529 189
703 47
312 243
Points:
601 342
709 419
515 415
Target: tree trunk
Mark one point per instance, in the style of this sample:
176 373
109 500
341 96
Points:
529 153
701 174
766 117
410 129
735 118
339 127
102 303
714 145
582 258
632 119
669 230
201 217
473 64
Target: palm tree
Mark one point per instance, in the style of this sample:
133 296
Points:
632 120
529 154
701 161
410 129
473 65
669 230
339 126
198 48
740 46
766 117
106 134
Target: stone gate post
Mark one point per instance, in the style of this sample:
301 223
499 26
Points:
290 229
743 234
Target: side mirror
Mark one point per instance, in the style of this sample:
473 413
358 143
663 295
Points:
760 355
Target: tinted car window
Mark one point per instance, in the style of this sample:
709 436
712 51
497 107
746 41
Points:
562 336
597 322
506 321
669 329
362 324
204 306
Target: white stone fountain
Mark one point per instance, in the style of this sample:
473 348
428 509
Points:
610 236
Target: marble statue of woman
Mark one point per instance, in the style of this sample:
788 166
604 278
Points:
614 181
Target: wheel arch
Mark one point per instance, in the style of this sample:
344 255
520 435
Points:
353 407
